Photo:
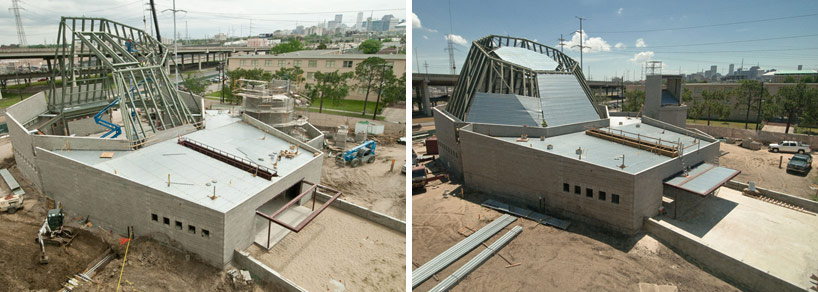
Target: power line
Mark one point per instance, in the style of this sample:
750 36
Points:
293 13
736 41
709 25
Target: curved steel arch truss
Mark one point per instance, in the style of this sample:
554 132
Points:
105 64
484 71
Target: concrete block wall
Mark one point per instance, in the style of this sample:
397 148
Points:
683 201
747 277
265 274
87 126
760 136
495 130
446 128
50 142
807 204
533 178
327 120
674 115
382 219
277 133
114 203
240 221
650 182
28 109
22 145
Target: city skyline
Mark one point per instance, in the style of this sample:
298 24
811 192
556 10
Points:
42 18
687 39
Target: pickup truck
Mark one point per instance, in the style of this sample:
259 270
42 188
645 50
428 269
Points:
790 146
800 163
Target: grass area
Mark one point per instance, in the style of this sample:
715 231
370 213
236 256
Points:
346 114
349 105
806 131
728 124
10 99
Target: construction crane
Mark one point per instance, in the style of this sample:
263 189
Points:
358 155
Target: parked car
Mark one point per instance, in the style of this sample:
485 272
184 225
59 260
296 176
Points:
791 146
800 163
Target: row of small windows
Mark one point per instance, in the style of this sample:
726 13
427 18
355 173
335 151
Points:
310 63
179 226
589 193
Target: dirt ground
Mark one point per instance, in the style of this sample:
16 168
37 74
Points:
151 266
340 251
761 166
372 186
19 253
581 258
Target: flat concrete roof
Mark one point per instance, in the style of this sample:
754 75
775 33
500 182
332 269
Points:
606 153
196 172
766 236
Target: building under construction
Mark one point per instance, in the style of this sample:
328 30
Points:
118 144
522 125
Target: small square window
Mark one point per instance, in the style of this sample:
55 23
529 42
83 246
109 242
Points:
601 196
154 218
282 63
577 190
191 229
566 188
178 225
297 63
205 233
615 199
268 63
166 220
254 63
589 192
312 63
347 64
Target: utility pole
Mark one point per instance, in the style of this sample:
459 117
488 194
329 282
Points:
175 43
21 34
156 27
562 42
581 46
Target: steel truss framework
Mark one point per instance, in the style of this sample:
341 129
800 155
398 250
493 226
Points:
102 63
484 71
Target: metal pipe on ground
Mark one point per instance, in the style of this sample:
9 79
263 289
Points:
451 281
460 249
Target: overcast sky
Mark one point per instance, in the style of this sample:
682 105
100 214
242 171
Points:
687 36
204 17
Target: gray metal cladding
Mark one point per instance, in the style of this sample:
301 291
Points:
505 109
564 101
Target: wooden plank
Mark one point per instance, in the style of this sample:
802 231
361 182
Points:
106 155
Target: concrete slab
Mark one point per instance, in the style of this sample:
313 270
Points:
768 237
292 216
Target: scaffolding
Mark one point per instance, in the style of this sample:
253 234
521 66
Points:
101 63
266 101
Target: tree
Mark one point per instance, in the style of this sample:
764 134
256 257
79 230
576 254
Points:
713 102
789 79
693 110
747 95
634 101
322 46
332 86
293 73
795 100
394 89
365 73
291 46
239 73
370 46
194 84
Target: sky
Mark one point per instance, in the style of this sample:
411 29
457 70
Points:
687 36
204 17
